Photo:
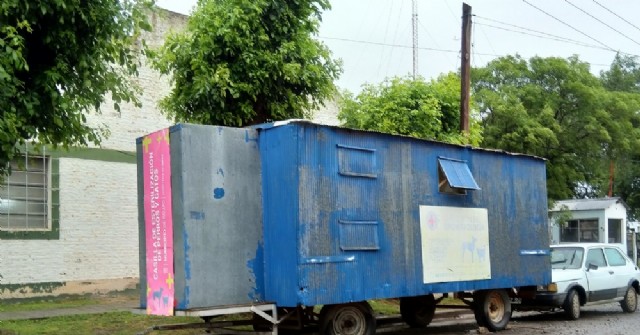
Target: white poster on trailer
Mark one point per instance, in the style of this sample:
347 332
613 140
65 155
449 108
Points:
455 244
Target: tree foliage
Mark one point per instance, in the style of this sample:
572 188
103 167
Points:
405 106
623 77
58 59
243 62
555 108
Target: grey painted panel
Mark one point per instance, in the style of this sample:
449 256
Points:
217 216
217 207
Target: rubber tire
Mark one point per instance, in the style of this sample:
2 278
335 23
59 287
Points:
630 302
571 305
261 325
491 302
342 319
418 311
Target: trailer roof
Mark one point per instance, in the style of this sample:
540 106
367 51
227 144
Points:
308 122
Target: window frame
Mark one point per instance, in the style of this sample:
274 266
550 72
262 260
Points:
580 231
616 251
52 231
463 173
601 253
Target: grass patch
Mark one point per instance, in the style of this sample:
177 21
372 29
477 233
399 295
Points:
67 301
122 322
45 304
114 323
385 307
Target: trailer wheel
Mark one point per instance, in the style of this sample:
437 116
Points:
492 309
418 311
347 319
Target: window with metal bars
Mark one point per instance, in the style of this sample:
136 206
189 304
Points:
25 193
583 230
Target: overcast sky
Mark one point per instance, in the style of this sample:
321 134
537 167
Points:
374 37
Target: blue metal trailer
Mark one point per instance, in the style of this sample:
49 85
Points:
299 214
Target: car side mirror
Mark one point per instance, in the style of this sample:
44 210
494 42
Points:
592 266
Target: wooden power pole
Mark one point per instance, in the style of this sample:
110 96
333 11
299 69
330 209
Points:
465 68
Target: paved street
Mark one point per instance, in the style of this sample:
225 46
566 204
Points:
604 319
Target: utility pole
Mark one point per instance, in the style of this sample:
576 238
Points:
611 176
465 68
414 21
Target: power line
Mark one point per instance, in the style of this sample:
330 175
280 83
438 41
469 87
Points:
450 10
473 46
531 30
435 42
386 30
566 24
548 37
429 49
487 38
544 35
620 17
395 36
604 23
400 46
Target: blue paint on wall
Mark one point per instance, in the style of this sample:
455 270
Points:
256 267
218 193
187 261
311 183
187 271
196 215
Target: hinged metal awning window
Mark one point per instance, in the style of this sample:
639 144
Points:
458 174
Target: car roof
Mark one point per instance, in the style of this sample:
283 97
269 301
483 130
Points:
586 245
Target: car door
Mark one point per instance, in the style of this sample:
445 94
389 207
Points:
622 271
598 279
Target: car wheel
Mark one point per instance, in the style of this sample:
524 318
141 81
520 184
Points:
630 301
571 305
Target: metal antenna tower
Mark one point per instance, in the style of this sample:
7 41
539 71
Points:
414 21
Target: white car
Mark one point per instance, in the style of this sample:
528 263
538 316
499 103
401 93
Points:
587 274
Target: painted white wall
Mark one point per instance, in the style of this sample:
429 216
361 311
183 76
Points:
98 229
616 211
98 219
132 122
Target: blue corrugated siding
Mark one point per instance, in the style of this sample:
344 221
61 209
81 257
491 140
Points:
342 214
280 179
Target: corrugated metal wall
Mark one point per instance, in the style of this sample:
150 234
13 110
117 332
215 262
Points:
342 219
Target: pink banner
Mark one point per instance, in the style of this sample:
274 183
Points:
158 223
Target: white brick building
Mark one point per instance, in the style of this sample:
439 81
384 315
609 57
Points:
87 237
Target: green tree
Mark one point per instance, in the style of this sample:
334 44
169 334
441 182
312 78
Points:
243 62
623 74
623 77
58 59
410 107
555 108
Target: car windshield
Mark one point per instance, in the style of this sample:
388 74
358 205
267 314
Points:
566 258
